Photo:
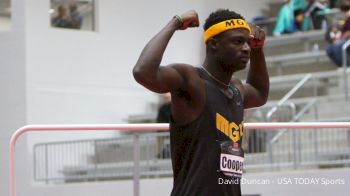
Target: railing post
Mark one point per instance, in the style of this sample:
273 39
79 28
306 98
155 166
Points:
294 149
46 165
95 159
271 154
315 133
316 146
136 164
345 75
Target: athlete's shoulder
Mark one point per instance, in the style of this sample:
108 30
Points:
186 70
182 67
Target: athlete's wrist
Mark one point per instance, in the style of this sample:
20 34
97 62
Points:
257 49
179 21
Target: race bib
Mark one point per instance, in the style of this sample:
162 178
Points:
231 165
231 159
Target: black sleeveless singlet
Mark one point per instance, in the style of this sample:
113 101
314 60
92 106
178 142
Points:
198 149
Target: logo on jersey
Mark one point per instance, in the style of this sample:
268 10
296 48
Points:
232 130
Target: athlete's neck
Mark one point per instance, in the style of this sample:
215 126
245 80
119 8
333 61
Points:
216 70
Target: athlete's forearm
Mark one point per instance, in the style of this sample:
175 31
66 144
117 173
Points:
149 61
258 76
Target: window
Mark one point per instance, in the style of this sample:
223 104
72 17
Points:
5 15
73 14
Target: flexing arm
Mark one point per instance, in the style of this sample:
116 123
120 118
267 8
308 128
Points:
147 70
256 89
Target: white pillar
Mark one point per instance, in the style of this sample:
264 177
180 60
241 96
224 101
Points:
12 87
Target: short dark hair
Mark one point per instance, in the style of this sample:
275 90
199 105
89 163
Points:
219 16
344 5
298 12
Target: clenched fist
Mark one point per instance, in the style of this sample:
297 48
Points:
190 19
257 37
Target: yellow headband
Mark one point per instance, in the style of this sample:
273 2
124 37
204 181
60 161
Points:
224 26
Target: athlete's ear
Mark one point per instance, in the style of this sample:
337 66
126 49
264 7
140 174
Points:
212 43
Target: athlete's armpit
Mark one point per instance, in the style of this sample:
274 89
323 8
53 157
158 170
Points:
164 79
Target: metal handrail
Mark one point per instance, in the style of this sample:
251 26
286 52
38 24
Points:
288 95
306 108
92 127
295 119
291 105
295 116
281 133
142 127
279 104
345 58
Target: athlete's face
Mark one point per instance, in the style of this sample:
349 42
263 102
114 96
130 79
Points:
233 50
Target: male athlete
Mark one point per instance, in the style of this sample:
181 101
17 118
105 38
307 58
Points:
206 127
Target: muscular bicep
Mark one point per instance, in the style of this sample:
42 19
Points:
250 95
164 79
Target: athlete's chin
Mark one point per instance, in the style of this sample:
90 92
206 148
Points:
237 66
241 66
